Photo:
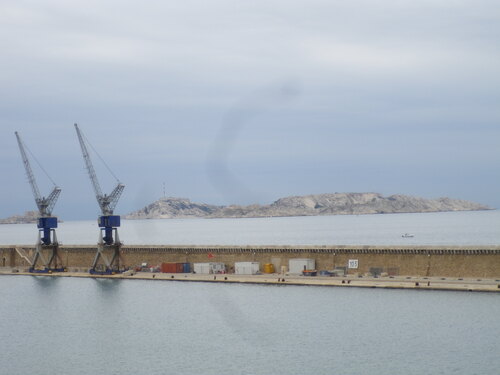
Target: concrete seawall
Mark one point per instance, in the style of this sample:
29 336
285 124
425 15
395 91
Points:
424 261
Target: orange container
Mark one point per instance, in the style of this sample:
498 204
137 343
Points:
169 267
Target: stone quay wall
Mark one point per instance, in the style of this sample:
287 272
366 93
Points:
432 261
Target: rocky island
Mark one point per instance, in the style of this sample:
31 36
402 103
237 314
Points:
308 205
29 217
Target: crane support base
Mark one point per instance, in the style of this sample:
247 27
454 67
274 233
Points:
107 258
47 255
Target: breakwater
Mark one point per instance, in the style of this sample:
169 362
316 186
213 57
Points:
429 261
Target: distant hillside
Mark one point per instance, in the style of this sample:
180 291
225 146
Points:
309 205
27 218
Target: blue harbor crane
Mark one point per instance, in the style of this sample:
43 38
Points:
108 223
47 238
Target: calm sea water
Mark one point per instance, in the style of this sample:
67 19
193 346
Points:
86 326
446 228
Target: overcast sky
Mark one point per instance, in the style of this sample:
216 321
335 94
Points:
248 101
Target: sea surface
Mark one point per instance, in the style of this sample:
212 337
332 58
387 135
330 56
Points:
443 228
95 326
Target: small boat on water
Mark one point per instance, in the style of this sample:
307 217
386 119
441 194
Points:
408 235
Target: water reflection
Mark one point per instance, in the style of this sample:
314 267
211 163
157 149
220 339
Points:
107 288
46 285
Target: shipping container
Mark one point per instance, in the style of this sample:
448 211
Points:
246 268
212 267
202 268
169 267
175 267
218 267
297 266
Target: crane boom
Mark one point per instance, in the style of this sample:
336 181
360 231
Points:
90 167
45 205
27 167
107 203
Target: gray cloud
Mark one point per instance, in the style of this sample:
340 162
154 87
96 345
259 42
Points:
395 96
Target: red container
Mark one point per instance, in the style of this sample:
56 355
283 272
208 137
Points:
179 267
169 267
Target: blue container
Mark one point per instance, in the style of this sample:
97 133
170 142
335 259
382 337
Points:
47 222
186 267
110 221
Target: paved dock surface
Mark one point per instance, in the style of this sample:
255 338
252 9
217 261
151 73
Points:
395 282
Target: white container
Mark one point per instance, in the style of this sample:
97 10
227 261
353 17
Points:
201 268
217 267
206 268
246 268
296 266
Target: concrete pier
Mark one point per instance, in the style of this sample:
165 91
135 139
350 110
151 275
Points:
388 282
458 262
